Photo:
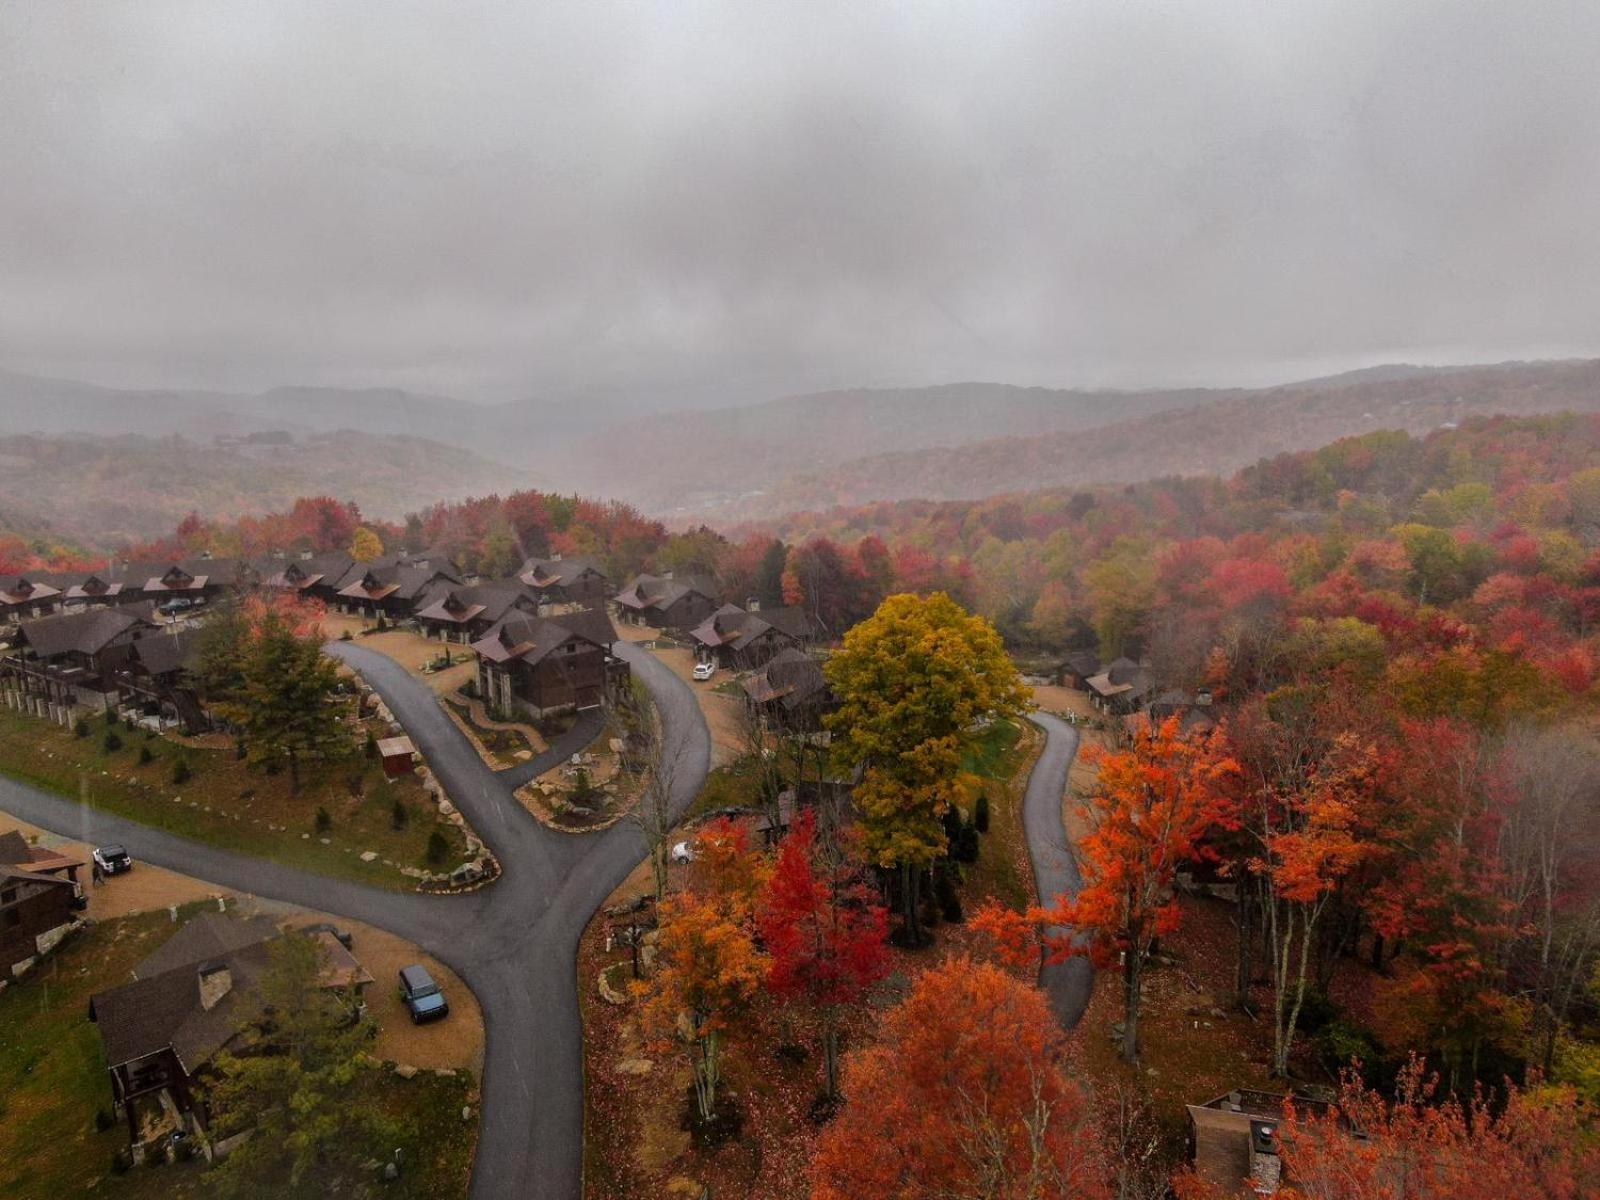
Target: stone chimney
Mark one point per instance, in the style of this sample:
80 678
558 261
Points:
753 604
216 981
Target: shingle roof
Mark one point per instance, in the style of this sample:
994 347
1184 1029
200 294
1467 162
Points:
86 632
556 572
208 936
790 678
164 653
21 589
531 638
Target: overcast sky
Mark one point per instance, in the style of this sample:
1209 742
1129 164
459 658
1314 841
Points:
523 199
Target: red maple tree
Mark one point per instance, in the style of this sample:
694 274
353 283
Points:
826 934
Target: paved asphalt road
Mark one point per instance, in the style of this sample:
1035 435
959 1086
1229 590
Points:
1055 868
513 943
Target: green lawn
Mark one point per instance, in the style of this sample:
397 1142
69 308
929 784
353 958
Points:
229 804
53 1080
1002 757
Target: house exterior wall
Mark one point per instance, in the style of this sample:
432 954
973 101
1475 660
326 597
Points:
33 910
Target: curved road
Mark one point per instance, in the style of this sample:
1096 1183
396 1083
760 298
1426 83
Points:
513 944
1055 868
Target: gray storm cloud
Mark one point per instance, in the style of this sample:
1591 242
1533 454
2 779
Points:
724 199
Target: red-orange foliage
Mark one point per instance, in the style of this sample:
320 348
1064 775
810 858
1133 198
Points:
1533 1144
964 1094
1150 806
825 931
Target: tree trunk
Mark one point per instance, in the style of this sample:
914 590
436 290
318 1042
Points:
912 918
1245 965
294 773
830 1055
1132 968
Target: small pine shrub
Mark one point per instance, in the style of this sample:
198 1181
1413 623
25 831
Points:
113 743
181 771
949 900
966 847
103 1120
345 636
127 723
145 757
372 744
980 814
121 1162
81 727
324 820
438 848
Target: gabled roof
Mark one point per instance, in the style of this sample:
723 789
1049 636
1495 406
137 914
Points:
458 604
86 632
301 573
207 936
20 589
164 653
161 1009
556 572
791 678
657 592
16 853
732 626
531 638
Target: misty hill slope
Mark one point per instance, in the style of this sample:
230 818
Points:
107 490
1231 431
706 458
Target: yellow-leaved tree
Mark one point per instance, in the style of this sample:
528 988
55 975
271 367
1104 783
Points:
365 545
915 681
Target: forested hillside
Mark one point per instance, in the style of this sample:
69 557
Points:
1227 431
110 491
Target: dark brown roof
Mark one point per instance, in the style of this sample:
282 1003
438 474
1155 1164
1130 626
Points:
20 589
482 602
531 638
16 852
208 936
656 592
161 1011
164 653
86 632
556 572
790 678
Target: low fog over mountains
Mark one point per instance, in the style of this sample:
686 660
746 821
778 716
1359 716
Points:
965 440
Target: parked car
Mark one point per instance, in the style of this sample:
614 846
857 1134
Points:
704 670
173 607
683 852
113 860
421 994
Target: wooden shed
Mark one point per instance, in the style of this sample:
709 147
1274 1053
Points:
398 755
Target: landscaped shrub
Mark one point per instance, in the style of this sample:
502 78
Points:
145 757
944 891
121 1160
103 1120
980 813
113 743
127 723
966 848
438 848
469 689
324 820
81 727
372 744
345 636
181 772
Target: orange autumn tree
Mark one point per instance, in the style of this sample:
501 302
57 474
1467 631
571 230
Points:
1532 1143
707 970
1146 814
964 1094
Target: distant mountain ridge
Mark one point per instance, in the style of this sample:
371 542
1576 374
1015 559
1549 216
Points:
1228 431
105 491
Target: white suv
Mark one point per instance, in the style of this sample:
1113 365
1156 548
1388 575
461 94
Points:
704 670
